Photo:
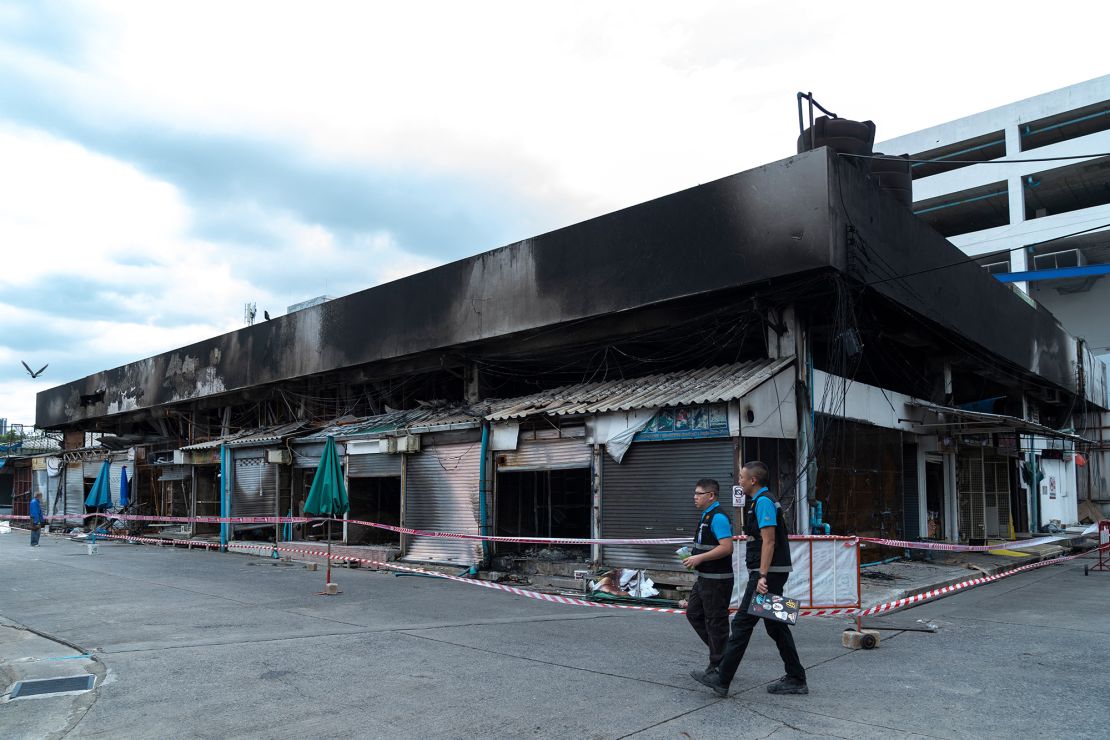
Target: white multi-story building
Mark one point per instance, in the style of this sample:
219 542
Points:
1025 190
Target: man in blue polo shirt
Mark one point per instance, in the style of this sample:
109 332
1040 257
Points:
707 608
768 563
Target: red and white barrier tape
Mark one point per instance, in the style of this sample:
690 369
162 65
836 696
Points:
886 608
943 546
901 544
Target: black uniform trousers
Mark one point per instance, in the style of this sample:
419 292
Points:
742 626
707 610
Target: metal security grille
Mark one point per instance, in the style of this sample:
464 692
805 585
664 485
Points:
46 686
969 488
373 466
997 495
546 454
650 494
254 485
441 494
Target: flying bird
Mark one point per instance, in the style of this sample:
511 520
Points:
266 314
32 372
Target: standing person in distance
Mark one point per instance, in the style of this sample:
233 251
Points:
707 608
36 519
768 562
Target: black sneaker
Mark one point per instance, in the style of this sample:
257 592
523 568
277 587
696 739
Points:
788 685
711 680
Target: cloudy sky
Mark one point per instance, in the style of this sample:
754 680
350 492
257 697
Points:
162 163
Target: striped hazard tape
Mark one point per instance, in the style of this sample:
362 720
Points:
885 608
277 520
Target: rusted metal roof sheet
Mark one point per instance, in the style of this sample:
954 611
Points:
249 437
708 385
423 419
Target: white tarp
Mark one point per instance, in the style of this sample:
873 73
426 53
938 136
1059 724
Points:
832 572
616 429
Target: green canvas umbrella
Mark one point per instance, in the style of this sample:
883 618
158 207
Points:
328 495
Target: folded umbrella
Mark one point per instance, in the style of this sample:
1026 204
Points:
124 488
328 495
101 494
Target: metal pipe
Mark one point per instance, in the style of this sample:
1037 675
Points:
961 202
224 469
941 159
1058 273
1053 127
482 488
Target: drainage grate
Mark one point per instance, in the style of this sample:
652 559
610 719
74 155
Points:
44 686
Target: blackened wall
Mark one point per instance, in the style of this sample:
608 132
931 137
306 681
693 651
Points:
903 258
741 230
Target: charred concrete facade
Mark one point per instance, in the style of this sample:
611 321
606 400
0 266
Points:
808 213
803 260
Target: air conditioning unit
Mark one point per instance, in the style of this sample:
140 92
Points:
1057 260
278 457
394 445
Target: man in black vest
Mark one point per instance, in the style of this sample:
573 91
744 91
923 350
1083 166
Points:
768 563
707 608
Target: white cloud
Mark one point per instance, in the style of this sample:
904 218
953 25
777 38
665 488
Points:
573 108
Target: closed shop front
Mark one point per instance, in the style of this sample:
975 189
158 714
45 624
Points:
543 489
983 498
441 494
374 489
650 494
75 488
255 484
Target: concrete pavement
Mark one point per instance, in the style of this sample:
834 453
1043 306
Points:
199 644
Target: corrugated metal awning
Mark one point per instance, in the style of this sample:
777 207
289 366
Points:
418 420
249 437
981 422
708 385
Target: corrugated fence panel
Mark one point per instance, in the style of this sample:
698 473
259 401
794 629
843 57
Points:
546 454
651 494
441 494
255 485
373 466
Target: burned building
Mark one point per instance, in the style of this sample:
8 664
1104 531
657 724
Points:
577 383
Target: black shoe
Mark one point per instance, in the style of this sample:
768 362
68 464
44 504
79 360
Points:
788 685
711 680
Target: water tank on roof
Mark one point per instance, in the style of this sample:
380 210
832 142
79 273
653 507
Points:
839 134
892 172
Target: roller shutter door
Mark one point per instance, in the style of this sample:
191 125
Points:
75 488
254 485
651 494
307 456
441 494
373 466
546 454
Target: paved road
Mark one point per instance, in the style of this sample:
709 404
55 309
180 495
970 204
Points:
198 644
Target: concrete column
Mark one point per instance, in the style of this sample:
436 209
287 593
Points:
1016 190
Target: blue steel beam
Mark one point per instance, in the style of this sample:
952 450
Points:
1057 274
